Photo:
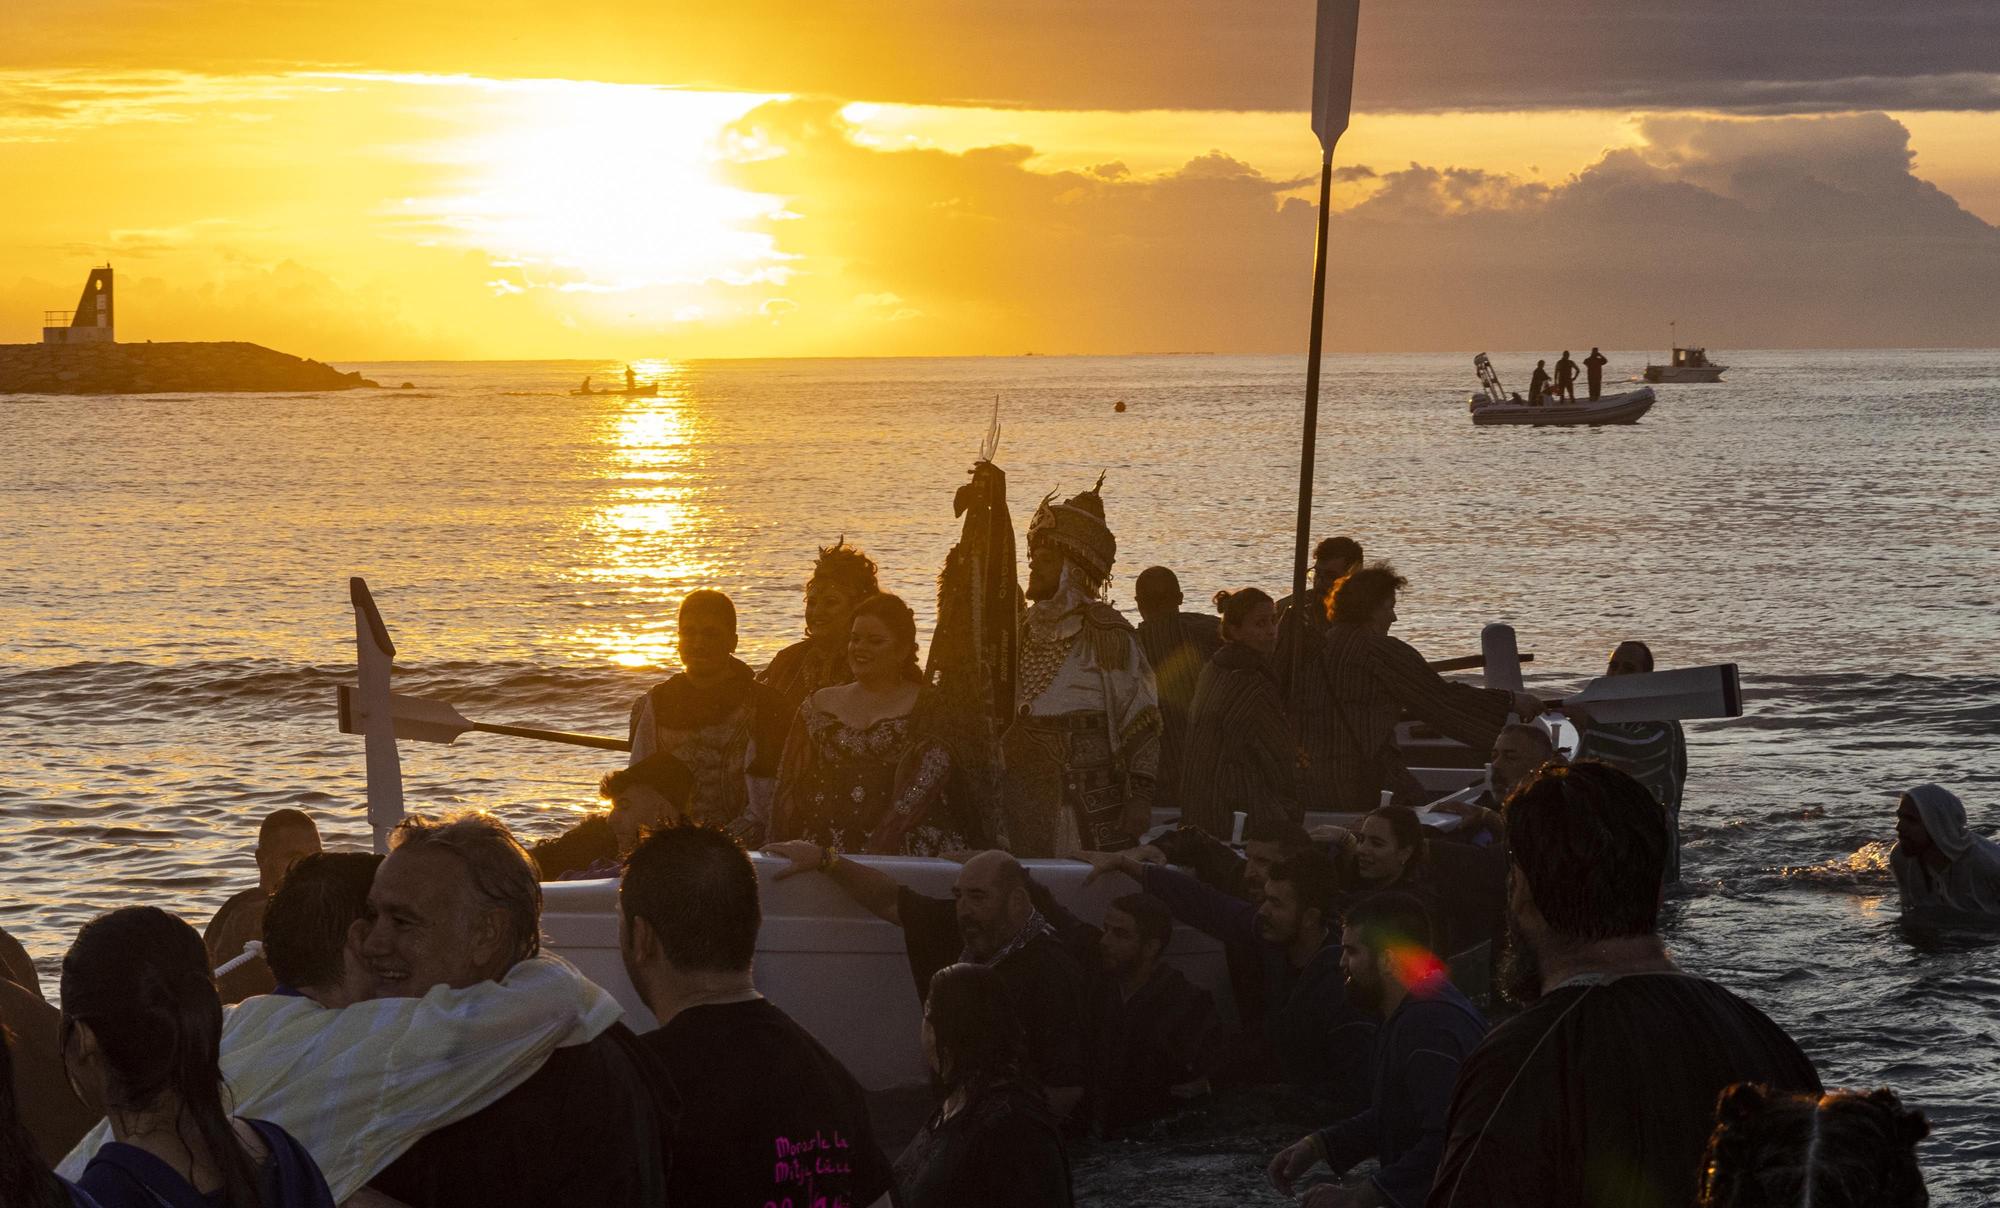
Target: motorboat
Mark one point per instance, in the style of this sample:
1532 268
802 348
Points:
1494 404
1686 365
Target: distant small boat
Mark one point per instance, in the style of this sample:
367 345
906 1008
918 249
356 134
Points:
1494 405
1688 365
648 391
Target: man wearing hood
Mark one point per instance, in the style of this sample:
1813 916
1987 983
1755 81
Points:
726 727
1941 867
1082 755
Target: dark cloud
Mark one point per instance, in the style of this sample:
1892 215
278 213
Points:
1754 56
1770 232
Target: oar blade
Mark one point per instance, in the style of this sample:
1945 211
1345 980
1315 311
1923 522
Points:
1683 694
1500 657
414 718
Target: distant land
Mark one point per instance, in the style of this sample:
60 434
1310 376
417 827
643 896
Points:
172 368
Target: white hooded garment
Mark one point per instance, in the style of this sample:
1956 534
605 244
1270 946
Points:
1967 886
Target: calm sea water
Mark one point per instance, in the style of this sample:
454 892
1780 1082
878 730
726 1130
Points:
173 614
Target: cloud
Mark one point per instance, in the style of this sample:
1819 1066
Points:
1799 231
1771 56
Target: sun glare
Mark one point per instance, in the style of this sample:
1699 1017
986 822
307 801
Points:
604 187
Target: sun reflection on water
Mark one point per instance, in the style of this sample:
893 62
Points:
647 535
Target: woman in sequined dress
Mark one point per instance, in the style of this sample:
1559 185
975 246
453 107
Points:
865 768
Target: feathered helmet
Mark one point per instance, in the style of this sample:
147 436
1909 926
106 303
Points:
846 567
1076 527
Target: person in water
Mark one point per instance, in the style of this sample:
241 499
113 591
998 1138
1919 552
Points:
993 1142
1301 630
25 1178
1845 1149
1593 367
716 718
1155 1037
649 793
1081 758
1372 679
842 577
1177 645
1242 754
1652 752
1602 1090
1943 868
991 919
455 905
283 839
1538 385
1566 378
142 1038
768 1115
1428 1030
866 767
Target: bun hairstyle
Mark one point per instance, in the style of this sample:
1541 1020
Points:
1236 606
901 623
1845 1149
138 978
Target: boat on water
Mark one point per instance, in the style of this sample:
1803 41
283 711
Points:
1493 404
649 390
838 970
1686 365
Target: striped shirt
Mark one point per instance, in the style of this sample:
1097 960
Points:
1371 679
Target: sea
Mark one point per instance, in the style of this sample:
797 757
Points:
174 613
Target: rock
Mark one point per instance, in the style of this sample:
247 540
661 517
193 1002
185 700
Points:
165 368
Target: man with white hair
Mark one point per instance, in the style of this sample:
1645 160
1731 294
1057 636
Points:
457 903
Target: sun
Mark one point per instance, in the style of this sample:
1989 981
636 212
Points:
590 187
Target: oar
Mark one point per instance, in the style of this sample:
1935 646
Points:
1500 657
374 661
1679 695
1470 662
422 720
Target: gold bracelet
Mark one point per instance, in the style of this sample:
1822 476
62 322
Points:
828 858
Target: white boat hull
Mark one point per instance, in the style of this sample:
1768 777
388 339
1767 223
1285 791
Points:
1671 373
1623 408
838 970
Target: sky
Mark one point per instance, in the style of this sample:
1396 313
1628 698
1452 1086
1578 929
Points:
613 180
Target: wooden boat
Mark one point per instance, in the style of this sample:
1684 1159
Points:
834 967
647 391
1493 404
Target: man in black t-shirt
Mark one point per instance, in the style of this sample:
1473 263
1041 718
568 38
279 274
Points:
1603 1091
990 919
768 1116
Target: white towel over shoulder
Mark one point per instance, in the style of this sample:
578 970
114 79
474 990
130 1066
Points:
360 1085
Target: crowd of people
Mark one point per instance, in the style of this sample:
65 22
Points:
1477 999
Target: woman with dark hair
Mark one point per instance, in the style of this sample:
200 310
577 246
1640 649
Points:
1241 754
866 767
1843 1149
25 1180
842 577
993 1142
1390 850
142 1038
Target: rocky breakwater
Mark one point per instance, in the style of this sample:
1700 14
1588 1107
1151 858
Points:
179 368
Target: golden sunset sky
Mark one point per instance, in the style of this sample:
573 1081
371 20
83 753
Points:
366 180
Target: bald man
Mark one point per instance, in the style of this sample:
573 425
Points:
991 920
283 839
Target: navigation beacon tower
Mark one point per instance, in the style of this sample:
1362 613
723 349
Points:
90 322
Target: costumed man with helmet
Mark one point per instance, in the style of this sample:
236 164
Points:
1082 752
